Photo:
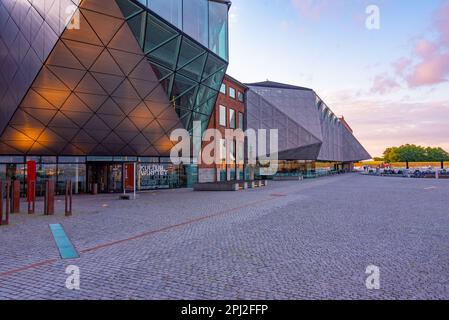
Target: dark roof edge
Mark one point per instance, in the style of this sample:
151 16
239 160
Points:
236 81
278 85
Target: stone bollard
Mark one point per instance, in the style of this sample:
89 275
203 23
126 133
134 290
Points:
15 198
49 201
68 198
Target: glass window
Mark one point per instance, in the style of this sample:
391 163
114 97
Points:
241 118
71 160
232 150
170 10
48 159
11 159
241 96
218 28
75 172
222 116
2 172
149 159
232 92
195 20
222 149
232 118
223 88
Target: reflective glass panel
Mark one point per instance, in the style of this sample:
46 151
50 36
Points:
170 10
195 17
218 29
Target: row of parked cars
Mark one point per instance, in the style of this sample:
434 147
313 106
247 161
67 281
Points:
411 173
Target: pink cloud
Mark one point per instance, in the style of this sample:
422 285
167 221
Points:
432 70
380 124
425 49
314 9
432 57
384 84
401 65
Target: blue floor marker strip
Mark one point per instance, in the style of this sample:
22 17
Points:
65 247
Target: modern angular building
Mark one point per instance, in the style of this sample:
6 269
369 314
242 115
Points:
310 134
89 88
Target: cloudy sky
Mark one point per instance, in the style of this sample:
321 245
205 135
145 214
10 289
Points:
391 84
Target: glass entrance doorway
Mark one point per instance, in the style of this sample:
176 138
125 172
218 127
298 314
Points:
107 177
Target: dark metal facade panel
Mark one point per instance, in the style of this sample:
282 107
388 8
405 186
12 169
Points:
115 86
28 33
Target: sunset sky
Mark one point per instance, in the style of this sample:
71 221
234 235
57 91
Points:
390 84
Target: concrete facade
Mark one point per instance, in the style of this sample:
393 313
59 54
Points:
308 129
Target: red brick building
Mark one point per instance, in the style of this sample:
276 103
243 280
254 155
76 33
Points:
229 113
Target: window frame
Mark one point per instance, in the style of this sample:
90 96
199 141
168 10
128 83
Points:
242 95
232 96
241 120
220 108
232 124
223 85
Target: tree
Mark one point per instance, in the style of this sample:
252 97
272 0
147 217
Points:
414 153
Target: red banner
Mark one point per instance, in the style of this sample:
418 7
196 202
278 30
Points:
129 179
31 181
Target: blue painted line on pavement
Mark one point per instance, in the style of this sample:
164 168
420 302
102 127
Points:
65 246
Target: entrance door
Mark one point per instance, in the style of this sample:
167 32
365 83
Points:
108 177
115 183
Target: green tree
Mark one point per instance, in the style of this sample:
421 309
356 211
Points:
414 153
391 155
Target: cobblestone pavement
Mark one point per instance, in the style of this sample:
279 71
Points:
293 240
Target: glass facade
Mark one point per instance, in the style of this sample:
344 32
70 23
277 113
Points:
190 74
151 173
218 28
95 95
206 21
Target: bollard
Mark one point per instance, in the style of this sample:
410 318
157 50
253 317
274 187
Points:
49 200
31 197
94 188
8 194
2 190
15 197
1 203
68 198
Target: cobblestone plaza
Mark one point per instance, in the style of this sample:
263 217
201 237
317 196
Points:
292 240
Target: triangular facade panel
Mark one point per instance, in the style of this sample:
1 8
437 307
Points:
111 87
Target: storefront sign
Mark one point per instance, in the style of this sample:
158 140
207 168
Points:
152 170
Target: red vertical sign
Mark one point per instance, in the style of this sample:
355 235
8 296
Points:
130 176
31 180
